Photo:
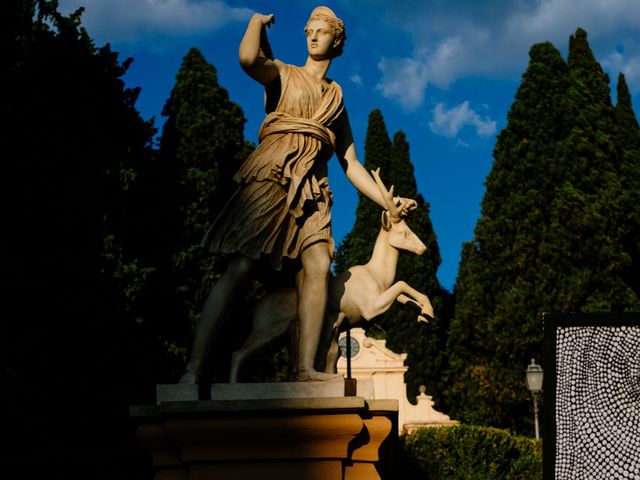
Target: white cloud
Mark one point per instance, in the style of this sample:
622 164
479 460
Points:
460 38
405 79
551 18
131 21
629 64
450 122
355 78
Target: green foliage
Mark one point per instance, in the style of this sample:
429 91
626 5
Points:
377 152
129 275
549 236
625 117
469 453
424 344
76 152
628 143
202 145
341 260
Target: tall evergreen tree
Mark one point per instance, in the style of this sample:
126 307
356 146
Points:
625 117
495 268
543 241
592 238
200 149
628 143
377 151
424 344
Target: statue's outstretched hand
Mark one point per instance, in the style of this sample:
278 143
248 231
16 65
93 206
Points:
267 20
405 205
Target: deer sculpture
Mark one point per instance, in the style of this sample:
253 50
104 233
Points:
360 294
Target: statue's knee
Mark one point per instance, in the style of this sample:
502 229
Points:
316 263
240 267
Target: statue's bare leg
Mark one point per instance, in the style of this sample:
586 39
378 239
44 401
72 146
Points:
216 310
312 300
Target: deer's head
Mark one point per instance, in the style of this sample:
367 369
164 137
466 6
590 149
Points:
399 235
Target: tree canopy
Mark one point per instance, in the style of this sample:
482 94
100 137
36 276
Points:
201 147
75 149
549 235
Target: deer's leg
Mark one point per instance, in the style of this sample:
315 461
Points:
383 301
272 320
402 292
294 336
252 350
402 298
418 297
333 350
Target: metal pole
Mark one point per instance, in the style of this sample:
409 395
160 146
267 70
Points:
535 412
348 351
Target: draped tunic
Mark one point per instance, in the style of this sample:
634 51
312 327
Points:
283 202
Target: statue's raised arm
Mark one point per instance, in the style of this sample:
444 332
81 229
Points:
255 55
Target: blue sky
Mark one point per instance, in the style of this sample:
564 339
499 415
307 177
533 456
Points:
443 71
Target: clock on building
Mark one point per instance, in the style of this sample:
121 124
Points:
355 346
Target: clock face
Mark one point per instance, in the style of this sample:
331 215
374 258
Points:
355 346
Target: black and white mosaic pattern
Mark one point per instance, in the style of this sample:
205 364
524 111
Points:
597 403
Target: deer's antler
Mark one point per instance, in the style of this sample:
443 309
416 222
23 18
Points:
387 195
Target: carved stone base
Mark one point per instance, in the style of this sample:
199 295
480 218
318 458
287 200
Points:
344 438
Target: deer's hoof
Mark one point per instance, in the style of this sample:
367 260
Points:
189 379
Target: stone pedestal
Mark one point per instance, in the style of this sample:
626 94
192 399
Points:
346 438
255 391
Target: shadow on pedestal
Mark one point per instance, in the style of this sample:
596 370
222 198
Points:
346 438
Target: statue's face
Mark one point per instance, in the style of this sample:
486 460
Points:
320 37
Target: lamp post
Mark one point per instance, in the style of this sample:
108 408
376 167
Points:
534 384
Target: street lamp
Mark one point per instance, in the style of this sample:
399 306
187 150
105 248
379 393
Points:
534 384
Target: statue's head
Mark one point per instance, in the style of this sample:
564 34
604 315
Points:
325 34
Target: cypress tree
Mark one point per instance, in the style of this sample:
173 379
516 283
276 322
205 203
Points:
587 212
202 145
625 117
424 344
495 289
586 71
377 150
543 242
628 143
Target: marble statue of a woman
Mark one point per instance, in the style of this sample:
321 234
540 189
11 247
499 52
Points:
281 211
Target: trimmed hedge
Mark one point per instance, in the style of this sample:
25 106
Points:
470 452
